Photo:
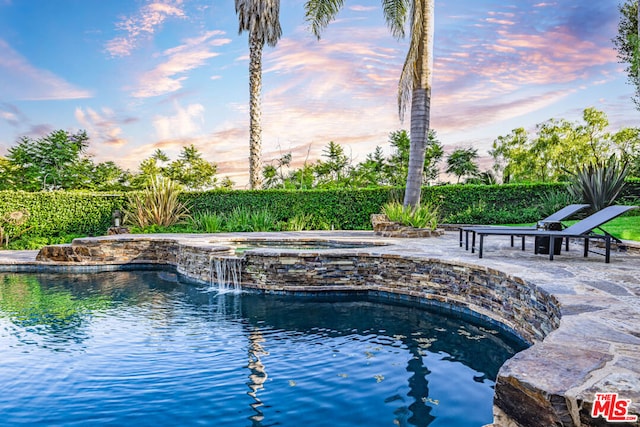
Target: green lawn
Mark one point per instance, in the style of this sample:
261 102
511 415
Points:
625 227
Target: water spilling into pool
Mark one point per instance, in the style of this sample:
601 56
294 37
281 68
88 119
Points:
225 274
141 348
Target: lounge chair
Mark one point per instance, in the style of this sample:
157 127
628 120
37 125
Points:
581 230
555 217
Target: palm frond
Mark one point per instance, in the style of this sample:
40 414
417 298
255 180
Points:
318 13
261 18
395 13
409 74
416 70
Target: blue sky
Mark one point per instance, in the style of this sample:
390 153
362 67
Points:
147 74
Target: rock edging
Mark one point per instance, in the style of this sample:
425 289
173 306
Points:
383 226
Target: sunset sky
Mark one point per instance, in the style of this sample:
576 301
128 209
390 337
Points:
141 75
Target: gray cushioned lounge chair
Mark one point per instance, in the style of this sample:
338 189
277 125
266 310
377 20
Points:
581 230
556 217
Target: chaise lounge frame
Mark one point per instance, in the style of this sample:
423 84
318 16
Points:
558 216
581 230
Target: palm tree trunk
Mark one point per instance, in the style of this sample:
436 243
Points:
420 109
420 102
255 126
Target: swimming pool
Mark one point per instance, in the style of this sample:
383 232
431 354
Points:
142 348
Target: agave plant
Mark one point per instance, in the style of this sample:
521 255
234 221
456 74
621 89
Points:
157 204
599 184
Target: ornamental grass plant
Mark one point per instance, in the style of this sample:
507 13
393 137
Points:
157 204
423 216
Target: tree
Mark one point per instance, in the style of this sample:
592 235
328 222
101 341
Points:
261 18
274 176
627 43
150 168
192 171
371 172
627 141
398 167
7 174
189 169
53 161
336 169
556 151
462 162
108 176
415 79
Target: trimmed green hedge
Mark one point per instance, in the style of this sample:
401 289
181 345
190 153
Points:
60 213
490 204
351 209
631 191
342 208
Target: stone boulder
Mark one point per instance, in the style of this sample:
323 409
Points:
384 227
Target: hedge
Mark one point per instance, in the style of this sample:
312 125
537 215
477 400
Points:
57 213
61 213
490 204
342 208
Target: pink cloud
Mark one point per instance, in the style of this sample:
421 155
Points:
142 25
103 128
500 21
168 76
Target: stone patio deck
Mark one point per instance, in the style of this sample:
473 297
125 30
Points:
595 349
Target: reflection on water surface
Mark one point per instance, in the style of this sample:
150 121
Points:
142 348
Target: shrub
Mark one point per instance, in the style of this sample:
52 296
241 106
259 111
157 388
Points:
554 200
157 204
56 213
299 222
472 214
244 219
262 220
12 225
207 222
423 216
60 213
341 208
239 219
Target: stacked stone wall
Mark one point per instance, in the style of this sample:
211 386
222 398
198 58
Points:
520 306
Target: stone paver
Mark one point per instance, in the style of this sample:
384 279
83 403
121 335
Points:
595 349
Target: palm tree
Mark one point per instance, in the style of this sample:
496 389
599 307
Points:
415 80
261 18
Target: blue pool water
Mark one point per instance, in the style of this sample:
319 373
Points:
140 348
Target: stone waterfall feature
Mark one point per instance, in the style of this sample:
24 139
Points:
225 274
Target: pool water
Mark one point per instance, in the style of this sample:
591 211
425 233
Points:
141 348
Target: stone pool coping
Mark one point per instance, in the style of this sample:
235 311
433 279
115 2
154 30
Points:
595 348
